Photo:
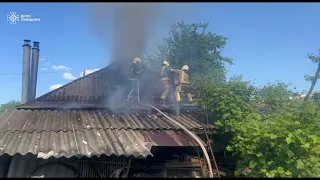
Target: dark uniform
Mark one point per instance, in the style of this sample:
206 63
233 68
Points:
134 76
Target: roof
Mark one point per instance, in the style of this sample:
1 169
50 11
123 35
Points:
89 87
29 121
88 133
74 143
74 120
94 86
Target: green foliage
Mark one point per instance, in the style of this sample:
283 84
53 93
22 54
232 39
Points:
274 95
227 103
313 79
191 44
286 144
243 89
309 78
9 105
315 58
283 144
316 97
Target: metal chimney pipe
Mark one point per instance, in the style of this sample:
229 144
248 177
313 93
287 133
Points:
25 71
34 71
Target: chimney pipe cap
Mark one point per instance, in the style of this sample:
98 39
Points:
35 45
26 42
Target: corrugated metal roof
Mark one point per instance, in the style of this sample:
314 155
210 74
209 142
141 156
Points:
29 121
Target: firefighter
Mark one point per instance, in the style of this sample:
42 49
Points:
182 84
165 79
135 74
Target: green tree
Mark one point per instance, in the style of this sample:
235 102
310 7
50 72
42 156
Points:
313 79
274 94
285 143
227 104
9 105
193 45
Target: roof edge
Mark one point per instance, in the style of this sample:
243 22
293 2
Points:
86 76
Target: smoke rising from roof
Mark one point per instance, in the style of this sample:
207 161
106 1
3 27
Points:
132 26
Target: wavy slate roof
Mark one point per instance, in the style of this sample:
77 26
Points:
74 143
88 133
29 121
137 143
64 132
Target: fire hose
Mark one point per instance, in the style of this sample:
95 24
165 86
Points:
195 137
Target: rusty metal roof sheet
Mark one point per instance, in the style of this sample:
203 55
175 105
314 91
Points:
30 121
166 138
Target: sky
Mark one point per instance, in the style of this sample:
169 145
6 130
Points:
268 41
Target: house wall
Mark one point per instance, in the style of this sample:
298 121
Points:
29 165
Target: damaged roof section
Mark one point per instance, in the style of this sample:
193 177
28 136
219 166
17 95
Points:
75 120
89 133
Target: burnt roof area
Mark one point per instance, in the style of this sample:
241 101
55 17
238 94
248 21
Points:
89 117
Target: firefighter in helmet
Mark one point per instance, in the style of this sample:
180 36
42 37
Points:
135 74
165 79
183 83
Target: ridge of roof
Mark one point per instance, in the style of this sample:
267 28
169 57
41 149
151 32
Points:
76 80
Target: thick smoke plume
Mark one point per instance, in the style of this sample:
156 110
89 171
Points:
133 24
128 34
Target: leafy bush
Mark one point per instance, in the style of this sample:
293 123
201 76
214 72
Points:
316 97
286 144
274 94
283 144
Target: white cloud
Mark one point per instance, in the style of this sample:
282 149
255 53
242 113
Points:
61 68
42 59
55 86
89 71
68 76
43 69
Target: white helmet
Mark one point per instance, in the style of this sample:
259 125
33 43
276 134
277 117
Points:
185 67
136 60
165 62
